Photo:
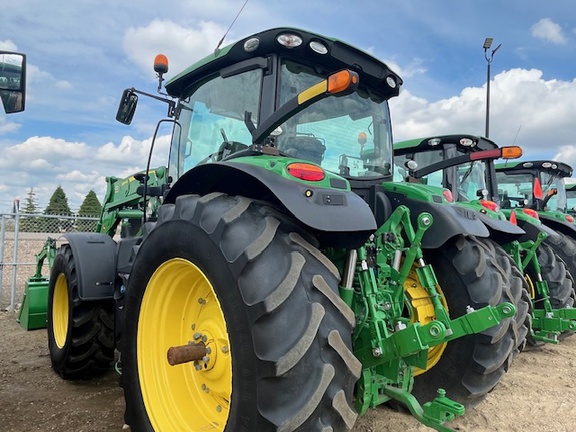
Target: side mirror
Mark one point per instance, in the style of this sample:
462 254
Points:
12 81
127 107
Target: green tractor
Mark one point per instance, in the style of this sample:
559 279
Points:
12 81
539 186
123 209
278 282
464 165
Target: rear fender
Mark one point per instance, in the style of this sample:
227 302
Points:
95 259
502 231
565 227
532 230
449 220
336 215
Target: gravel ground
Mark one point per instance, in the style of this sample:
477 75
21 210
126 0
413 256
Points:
536 394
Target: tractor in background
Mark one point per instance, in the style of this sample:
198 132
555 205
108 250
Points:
538 186
279 283
123 212
464 164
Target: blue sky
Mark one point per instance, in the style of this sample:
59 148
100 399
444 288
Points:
83 53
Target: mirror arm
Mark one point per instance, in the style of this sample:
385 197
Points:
171 103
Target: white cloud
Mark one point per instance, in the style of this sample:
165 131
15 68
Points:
63 85
45 163
131 150
549 31
5 125
520 100
8 45
183 46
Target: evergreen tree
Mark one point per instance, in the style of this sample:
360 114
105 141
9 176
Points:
30 223
58 205
90 207
30 206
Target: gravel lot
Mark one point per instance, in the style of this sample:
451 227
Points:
537 393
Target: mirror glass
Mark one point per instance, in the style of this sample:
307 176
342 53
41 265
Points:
127 107
12 81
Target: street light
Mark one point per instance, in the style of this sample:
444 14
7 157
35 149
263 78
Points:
489 58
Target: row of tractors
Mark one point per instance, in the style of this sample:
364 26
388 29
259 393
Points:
291 267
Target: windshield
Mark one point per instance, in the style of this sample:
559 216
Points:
465 181
554 191
571 198
212 120
349 135
514 189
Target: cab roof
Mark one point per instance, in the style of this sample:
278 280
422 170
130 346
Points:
553 167
340 55
429 143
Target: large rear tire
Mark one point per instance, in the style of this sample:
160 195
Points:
80 334
559 280
474 272
242 277
564 247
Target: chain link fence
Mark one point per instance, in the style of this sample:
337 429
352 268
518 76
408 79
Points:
22 237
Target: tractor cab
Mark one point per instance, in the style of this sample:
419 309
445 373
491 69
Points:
267 95
537 185
463 164
12 81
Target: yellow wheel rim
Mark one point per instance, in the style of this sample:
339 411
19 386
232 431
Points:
423 312
180 307
60 311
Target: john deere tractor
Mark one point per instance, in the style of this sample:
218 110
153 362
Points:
279 283
538 186
464 165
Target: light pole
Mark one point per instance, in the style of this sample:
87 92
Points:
489 58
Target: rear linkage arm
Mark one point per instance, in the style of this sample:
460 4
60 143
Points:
547 323
387 343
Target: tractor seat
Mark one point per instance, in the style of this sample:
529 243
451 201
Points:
304 147
505 203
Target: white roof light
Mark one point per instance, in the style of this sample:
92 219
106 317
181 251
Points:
318 47
251 44
289 40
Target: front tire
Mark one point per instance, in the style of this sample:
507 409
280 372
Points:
80 334
280 336
474 272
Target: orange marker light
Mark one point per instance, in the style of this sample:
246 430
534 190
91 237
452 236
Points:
513 217
537 189
305 171
569 218
340 81
161 64
511 152
448 195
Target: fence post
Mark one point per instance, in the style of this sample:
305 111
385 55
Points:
2 239
14 262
